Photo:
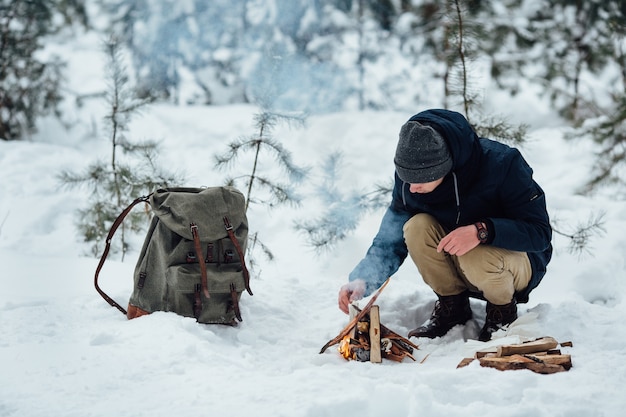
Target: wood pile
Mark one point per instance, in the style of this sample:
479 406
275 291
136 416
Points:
541 355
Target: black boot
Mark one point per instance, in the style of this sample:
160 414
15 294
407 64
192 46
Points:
497 317
449 311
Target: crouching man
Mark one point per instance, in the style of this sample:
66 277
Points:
471 217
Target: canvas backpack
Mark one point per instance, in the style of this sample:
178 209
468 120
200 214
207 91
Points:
192 260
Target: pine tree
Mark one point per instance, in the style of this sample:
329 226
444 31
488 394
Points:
498 129
131 171
259 184
464 36
609 132
606 122
29 86
563 45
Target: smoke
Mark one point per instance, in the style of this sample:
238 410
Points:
291 82
231 51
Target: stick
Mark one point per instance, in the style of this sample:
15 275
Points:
356 319
390 334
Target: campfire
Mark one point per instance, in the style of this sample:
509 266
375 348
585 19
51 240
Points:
370 341
365 339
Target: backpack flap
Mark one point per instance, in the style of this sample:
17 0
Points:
177 208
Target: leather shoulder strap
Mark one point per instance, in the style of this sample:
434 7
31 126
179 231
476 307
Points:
114 227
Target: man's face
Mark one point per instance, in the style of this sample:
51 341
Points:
425 188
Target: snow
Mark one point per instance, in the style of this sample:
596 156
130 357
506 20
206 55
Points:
65 352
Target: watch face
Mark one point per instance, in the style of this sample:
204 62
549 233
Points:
483 234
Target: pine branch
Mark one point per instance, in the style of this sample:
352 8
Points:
581 237
280 193
502 131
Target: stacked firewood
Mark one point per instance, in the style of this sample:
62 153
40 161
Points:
540 355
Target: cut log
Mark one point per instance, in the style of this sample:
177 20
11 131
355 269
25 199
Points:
481 354
539 345
548 364
563 360
375 355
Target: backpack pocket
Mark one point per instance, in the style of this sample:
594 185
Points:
225 284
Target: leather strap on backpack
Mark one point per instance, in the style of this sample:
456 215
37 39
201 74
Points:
114 227
200 258
235 301
231 235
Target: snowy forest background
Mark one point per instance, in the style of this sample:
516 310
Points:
320 56
297 58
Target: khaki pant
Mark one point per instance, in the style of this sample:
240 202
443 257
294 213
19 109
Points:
496 273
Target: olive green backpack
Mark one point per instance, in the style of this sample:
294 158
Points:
192 260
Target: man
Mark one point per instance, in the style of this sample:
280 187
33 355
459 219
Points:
468 212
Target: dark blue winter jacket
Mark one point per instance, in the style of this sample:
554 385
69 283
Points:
489 182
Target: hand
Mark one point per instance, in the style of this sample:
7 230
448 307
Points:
350 292
459 241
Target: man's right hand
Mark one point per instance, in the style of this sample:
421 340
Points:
352 291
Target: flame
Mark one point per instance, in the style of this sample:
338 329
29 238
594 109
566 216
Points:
344 347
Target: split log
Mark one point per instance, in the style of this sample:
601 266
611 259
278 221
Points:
542 344
548 364
374 330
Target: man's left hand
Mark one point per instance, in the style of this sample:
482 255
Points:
459 241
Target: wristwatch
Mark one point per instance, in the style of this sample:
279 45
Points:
483 233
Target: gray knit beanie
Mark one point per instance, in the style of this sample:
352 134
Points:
422 154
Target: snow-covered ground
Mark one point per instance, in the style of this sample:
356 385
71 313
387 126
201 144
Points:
65 352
